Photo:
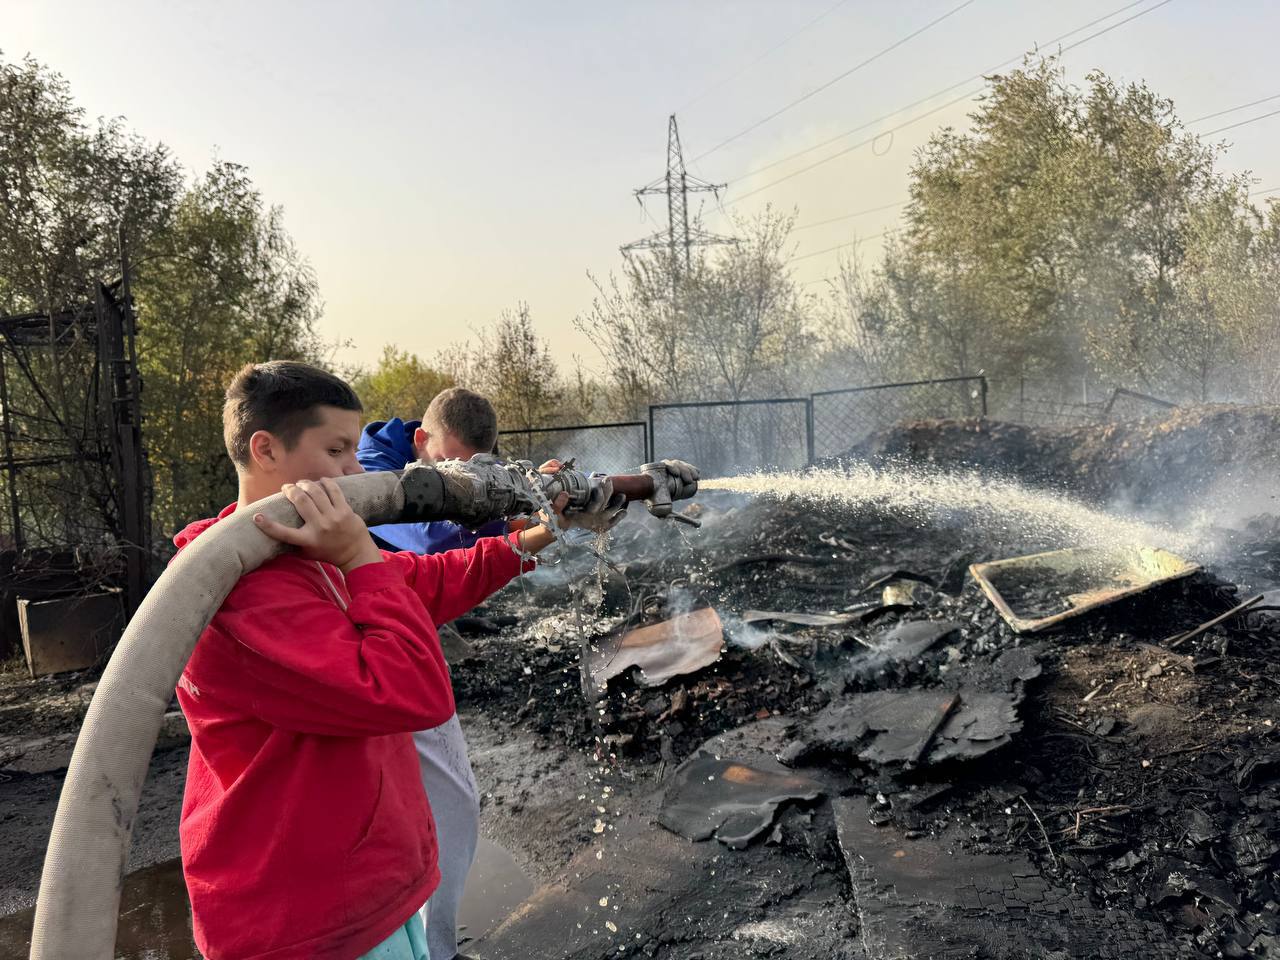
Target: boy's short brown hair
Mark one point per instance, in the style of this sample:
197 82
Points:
465 414
282 397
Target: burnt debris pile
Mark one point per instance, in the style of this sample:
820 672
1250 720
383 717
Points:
1105 785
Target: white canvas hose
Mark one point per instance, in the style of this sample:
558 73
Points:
84 865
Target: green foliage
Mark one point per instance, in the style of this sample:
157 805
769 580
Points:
221 286
401 385
216 283
67 189
512 366
1074 232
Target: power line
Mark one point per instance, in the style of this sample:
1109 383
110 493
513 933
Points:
850 216
764 56
1259 193
816 90
950 103
841 246
1210 116
1242 123
981 75
861 143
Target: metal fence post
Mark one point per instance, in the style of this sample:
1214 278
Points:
984 397
808 430
649 440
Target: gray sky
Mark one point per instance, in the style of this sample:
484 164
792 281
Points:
439 161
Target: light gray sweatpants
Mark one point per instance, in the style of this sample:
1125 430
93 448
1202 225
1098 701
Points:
455 804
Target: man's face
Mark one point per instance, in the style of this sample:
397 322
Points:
326 450
440 444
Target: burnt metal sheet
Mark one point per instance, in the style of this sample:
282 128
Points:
911 638
728 799
891 727
681 645
69 633
1042 590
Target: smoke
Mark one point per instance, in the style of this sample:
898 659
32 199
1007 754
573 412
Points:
746 636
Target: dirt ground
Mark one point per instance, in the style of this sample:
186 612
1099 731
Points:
1132 807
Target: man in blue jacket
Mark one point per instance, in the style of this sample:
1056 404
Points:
457 425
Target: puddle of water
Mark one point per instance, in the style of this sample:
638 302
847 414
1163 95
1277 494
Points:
155 917
495 887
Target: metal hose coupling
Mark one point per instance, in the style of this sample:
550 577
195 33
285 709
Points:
476 491
470 492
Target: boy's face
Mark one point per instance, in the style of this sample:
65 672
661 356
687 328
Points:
440 444
327 450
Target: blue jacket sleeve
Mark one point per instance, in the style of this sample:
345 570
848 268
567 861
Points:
435 537
442 535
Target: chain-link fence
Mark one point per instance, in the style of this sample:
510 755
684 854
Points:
786 433
599 447
844 418
734 436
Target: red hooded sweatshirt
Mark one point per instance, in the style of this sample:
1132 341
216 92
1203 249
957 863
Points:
305 830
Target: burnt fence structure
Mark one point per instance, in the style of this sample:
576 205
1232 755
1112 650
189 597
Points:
75 521
1053 404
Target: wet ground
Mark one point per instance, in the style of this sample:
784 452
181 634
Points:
1127 805
155 922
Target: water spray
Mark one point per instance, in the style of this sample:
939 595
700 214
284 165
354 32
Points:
924 496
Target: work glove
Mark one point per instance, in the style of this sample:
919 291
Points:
672 480
603 509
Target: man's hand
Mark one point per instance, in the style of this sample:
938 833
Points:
684 479
551 466
672 480
604 508
331 531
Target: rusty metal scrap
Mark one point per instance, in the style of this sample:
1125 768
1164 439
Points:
681 645
1042 590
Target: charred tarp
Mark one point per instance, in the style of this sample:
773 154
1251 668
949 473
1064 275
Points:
972 716
732 801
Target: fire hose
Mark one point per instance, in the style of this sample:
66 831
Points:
88 851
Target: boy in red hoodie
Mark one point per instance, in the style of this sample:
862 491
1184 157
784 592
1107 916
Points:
305 831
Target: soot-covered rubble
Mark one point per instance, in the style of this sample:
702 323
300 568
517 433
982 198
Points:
956 790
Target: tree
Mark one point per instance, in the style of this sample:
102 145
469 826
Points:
730 325
513 367
216 280
68 191
401 385
1051 239
856 331
222 286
